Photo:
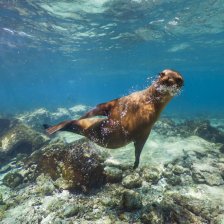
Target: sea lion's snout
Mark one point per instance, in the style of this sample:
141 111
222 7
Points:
169 82
171 78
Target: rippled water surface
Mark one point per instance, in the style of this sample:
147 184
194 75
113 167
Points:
60 53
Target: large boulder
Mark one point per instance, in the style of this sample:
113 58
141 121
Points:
74 166
16 137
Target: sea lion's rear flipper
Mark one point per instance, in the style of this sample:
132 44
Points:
75 126
63 126
139 144
102 109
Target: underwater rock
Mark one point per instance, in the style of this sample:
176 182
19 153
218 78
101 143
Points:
221 149
178 208
12 180
193 204
40 116
211 177
71 210
78 110
166 126
220 166
206 171
219 219
36 118
5 125
45 185
5 168
175 174
60 114
174 180
1 199
151 175
19 138
110 201
131 200
203 129
75 166
113 174
132 181
206 131
177 169
152 214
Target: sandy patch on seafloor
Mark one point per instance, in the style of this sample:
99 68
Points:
159 150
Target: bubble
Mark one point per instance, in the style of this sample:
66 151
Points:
172 90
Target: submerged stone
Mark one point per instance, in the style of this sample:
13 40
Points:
19 138
151 175
203 173
199 205
5 125
151 214
206 131
221 149
177 169
45 185
71 210
41 116
1 199
132 181
12 180
113 174
174 180
166 126
219 219
131 200
203 129
75 166
36 118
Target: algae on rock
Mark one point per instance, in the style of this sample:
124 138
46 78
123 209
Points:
75 166
12 180
19 138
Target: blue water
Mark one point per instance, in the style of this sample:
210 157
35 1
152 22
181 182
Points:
61 53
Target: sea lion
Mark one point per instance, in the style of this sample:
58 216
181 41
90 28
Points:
127 119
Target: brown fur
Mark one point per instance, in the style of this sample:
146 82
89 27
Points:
128 119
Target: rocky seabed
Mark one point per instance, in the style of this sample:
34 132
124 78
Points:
68 179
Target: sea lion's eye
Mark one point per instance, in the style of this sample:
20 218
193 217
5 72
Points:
161 74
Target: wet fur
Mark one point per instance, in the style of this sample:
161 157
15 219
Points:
127 119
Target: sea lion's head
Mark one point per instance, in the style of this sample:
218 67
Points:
169 82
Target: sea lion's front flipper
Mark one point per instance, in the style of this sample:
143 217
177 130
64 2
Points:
139 144
102 109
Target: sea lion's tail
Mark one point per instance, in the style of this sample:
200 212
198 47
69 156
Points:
63 126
